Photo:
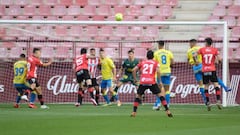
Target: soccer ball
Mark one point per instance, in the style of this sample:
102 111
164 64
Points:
119 17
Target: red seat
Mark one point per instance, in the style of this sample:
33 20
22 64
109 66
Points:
121 31
92 31
207 31
140 53
225 2
61 30
6 2
51 18
81 2
73 10
106 31
119 9
68 17
136 31
213 18
152 31
98 18
158 18
36 2
230 20
82 18
237 2
135 10
13 10
89 10
21 2
66 2
62 52
3 53
111 2
47 52
236 32
44 10
234 11
29 10
103 10
59 10
143 18
94 2
150 11
141 2
128 18
15 52
2 10
125 2
51 2
165 11
111 18
37 17
75 31
156 2
219 11
171 3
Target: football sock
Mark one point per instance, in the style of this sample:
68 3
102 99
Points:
80 96
167 97
135 104
105 96
222 84
207 95
164 102
116 89
157 102
115 96
218 93
40 98
97 96
32 97
18 98
202 93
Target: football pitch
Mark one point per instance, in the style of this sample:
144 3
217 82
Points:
113 120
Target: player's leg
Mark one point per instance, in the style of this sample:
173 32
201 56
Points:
161 95
119 84
32 84
90 90
104 92
198 77
18 99
206 80
114 94
227 89
157 103
214 79
166 84
40 97
96 87
141 89
80 94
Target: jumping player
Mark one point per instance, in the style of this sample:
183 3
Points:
81 68
33 63
148 69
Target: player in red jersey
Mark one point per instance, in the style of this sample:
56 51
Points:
209 54
81 68
93 64
148 69
33 62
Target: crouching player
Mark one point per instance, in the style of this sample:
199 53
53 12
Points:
148 68
19 81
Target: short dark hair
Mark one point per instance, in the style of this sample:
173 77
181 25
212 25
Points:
160 42
150 54
35 50
130 51
92 49
83 51
193 41
22 56
208 41
101 50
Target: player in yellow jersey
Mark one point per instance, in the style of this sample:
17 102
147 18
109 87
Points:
19 81
108 71
165 59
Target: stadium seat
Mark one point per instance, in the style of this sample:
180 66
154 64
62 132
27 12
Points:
136 31
110 18
111 52
37 17
158 18
129 45
135 10
59 10
121 31
73 10
6 2
125 2
94 2
156 2
237 2
165 11
140 53
238 21
130 38
51 2
225 2
98 18
172 3
152 31
51 18
141 2
2 10
21 2
111 2
68 17
237 53
219 11
3 53
89 10
62 52
213 18
81 2
36 2
119 9
47 52
83 18
143 18
29 10
15 52
150 11
66 2
100 45
92 31
103 10
129 18
44 10
234 11
61 30
13 10
75 31
230 53
106 31
230 20
236 32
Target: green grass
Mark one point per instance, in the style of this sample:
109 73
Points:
113 120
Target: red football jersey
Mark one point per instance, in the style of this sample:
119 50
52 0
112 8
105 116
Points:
148 69
81 62
208 58
33 63
92 66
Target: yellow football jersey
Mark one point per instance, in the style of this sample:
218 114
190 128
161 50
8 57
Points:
20 72
164 57
107 66
191 52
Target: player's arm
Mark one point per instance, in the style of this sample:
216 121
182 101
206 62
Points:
120 71
171 60
90 56
113 67
46 63
134 73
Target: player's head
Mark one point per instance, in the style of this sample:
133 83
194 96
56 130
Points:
208 41
131 54
37 52
92 51
192 42
22 56
83 51
102 53
160 43
150 54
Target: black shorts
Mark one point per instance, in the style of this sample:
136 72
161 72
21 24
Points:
82 74
94 82
153 88
209 76
33 80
